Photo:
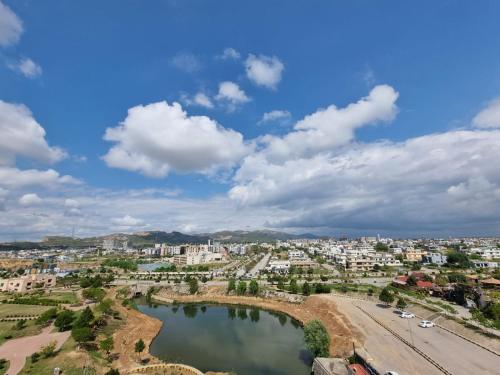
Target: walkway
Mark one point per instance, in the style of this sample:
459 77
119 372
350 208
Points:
15 351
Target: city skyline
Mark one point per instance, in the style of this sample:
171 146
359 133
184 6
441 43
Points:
195 118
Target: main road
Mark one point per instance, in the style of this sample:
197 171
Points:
456 355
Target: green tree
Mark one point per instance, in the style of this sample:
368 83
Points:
107 345
47 315
242 288
294 288
82 334
94 294
231 286
254 288
411 281
139 347
401 304
386 296
281 284
85 318
64 320
112 371
317 338
193 285
105 306
381 247
458 259
306 289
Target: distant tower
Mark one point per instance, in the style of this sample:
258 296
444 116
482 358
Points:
378 237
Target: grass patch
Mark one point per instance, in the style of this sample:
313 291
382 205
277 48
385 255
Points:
443 305
7 330
64 297
67 358
11 310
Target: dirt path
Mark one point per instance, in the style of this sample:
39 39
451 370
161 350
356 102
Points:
137 326
17 350
341 331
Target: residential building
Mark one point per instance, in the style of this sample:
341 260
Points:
28 283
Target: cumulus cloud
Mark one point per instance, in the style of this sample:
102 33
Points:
276 115
264 70
28 68
332 127
232 95
128 221
22 135
200 99
229 54
489 117
159 137
186 62
11 26
30 199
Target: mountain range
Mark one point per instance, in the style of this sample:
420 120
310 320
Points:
148 238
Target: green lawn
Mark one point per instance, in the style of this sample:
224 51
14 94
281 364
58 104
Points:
14 309
70 297
8 329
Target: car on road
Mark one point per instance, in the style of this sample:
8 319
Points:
426 324
406 315
391 373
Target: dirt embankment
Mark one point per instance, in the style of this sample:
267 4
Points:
137 326
342 332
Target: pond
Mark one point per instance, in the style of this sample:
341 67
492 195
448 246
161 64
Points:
239 339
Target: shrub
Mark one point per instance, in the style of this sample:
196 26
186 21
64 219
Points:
242 288
64 320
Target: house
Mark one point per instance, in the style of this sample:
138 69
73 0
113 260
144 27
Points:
28 283
329 366
491 283
435 258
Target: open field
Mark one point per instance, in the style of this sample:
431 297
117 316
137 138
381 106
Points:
8 329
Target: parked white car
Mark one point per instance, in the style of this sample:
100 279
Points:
406 315
426 324
391 373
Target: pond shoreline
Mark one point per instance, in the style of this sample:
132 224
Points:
342 333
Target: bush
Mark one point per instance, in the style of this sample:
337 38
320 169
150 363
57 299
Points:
306 289
386 296
35 357
49 350
82 334
317 339
231 285
94 294
193 285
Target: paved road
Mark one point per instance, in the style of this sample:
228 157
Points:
261 264
456 355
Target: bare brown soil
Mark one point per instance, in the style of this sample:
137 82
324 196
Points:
137 326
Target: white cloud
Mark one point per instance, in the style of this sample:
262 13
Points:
28 68
22 135
231 94
17 178
71 203
159 137
200 99
276 115
264 70
11 26
230 54
30 199
332 127
128 221
489 117
186 62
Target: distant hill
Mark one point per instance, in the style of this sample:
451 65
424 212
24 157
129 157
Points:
148 238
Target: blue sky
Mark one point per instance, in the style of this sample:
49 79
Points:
92 61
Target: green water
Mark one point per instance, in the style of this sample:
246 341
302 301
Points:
240 339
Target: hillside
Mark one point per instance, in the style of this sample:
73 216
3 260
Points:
148 238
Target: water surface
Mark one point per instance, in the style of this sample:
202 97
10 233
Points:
230 338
